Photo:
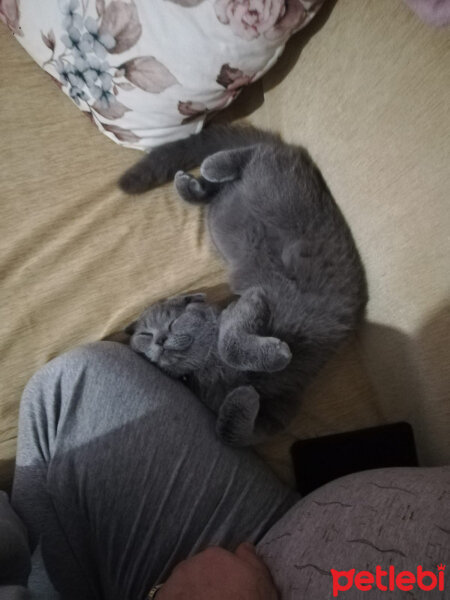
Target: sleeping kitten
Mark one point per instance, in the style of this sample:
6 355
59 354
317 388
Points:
293 263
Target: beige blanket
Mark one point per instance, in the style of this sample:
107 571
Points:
366 89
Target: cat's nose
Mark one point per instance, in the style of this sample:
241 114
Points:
160 341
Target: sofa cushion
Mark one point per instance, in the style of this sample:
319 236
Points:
150 72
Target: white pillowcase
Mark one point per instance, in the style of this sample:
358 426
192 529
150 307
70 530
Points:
149 71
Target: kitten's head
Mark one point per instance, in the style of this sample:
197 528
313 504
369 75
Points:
177 334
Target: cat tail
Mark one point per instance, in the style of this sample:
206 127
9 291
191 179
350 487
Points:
160 164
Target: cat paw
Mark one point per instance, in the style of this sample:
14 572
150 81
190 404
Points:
276 355
188 187
237 415
254 353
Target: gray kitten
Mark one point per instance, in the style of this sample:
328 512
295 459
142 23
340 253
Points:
293 263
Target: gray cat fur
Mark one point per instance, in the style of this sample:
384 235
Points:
292 262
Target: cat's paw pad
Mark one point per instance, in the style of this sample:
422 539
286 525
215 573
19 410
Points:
188 187
182 176
276 354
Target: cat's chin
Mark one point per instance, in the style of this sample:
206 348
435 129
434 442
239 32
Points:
171 370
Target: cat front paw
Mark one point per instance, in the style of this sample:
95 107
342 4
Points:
276 355
254 353
236 419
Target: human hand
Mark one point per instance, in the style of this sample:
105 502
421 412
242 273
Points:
217 574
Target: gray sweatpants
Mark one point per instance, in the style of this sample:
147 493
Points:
119 474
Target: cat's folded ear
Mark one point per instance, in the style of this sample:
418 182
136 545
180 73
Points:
187 298
190 298
226 165
131 328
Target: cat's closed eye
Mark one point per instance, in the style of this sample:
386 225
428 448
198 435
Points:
146 334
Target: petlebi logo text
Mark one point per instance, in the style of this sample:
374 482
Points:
388 580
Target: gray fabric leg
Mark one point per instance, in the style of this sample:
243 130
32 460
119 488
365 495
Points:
39 584
120 474
14 592
14 554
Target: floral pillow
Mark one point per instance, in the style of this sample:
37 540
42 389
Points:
149 71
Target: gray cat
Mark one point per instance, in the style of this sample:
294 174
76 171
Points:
293 263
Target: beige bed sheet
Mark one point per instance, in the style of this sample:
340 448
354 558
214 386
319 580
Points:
369 96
